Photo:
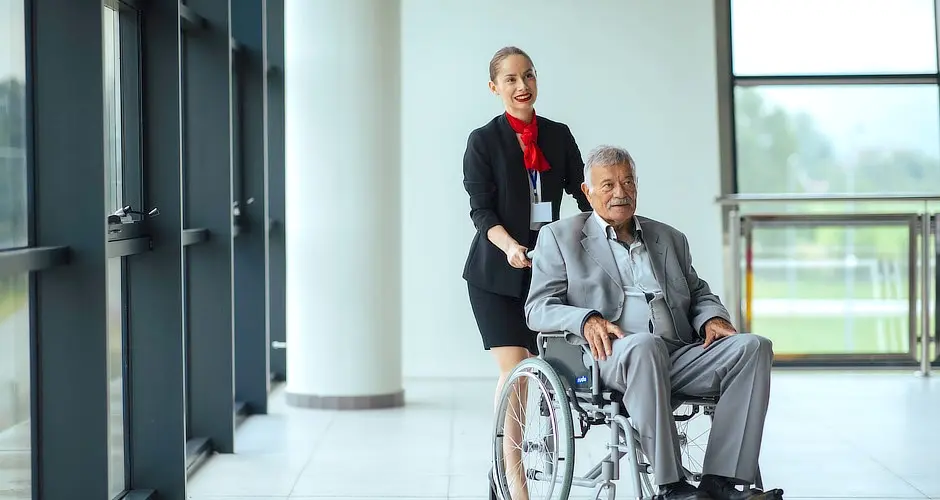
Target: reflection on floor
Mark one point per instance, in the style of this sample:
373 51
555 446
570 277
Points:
828 435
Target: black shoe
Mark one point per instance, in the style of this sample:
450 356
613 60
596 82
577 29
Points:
680 491
721 488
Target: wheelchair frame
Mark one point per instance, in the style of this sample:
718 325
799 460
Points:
601 407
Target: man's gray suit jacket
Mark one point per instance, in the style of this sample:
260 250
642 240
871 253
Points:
575 275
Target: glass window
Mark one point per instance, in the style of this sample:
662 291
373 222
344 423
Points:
837 139
825 37
116 423
13 202
114 192
238 167
184 41
15 380
15 431
832 290
114 200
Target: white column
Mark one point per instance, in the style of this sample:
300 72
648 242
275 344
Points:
343 204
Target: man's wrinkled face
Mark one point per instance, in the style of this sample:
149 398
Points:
612 193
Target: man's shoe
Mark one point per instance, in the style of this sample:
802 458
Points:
721 488
680 491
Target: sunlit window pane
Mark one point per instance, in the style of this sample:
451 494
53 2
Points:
13 218
837 139
824 37
15 379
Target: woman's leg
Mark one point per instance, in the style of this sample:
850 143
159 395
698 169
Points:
507 358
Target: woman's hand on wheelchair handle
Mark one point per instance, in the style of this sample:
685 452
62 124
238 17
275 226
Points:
516 255
599 334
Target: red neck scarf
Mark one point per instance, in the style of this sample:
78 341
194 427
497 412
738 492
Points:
529 133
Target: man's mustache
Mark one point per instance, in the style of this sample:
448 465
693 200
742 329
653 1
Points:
616 202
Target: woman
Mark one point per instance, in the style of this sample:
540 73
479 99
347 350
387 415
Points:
516 168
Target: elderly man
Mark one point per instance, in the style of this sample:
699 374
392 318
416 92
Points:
625 285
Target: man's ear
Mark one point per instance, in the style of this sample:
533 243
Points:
585 190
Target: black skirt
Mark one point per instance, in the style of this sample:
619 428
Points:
501 318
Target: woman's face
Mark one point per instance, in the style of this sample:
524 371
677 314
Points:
515 84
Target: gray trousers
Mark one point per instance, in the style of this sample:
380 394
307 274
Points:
647 370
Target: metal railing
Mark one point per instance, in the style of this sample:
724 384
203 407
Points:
924 227
746 199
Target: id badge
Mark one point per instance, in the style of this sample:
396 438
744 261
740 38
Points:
542 212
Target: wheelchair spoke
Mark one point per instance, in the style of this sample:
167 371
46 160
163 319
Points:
693 438
696 438
538 459
693 464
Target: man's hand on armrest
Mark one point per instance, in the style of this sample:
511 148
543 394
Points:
598 332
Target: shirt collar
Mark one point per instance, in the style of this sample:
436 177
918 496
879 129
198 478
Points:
609 230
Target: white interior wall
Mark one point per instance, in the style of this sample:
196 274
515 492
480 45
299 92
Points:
638 73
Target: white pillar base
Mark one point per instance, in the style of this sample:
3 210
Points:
346 402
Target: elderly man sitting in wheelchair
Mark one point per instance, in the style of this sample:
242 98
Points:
623 288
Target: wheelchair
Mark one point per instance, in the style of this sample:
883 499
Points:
560 391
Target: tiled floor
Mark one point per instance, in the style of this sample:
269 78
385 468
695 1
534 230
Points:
828 435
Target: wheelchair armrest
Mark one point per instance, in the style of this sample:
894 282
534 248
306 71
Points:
568 359
550 335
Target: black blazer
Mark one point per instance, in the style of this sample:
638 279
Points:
499 187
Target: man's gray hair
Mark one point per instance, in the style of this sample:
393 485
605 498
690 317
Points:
607 156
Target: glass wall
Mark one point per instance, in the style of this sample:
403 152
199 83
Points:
15 432
834 98
93 322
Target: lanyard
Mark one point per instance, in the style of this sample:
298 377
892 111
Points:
536 185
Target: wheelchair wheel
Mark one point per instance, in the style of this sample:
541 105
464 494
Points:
693 423
533 445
